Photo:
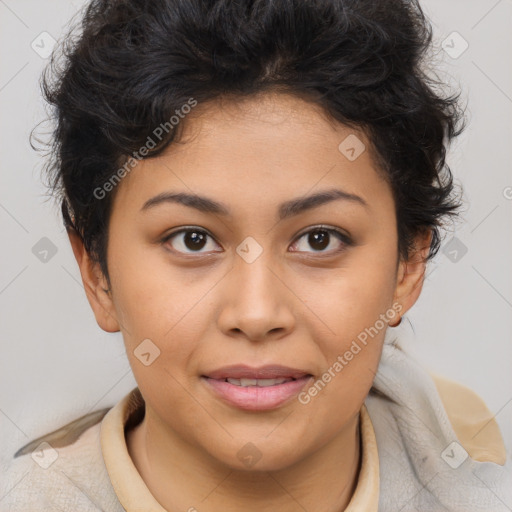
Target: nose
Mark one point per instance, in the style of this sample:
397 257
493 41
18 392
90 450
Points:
257 303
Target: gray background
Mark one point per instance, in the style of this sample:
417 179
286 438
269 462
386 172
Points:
57 364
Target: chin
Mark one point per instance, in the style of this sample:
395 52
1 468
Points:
259 455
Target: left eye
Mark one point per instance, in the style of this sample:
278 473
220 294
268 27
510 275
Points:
320 239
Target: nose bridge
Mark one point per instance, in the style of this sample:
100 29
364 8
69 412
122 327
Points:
256 278
252 264
256 302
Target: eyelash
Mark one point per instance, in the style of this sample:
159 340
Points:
342 237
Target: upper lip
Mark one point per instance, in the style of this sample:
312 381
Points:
241 371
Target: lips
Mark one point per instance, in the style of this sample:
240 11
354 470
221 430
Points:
263 372
256 389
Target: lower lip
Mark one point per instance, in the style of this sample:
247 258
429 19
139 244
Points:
255 398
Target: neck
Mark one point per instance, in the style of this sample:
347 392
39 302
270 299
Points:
182 477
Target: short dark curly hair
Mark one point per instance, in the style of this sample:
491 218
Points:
133 63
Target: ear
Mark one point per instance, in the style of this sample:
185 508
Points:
411 273
95 285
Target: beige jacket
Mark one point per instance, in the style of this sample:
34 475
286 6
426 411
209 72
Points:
85 465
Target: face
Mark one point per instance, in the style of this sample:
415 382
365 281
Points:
278 275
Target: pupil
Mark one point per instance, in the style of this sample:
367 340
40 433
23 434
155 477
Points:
319 239
194 240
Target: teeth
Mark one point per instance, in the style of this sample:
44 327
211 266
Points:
257 382
248 382
271 382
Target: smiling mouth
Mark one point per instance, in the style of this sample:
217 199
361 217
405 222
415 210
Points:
256 389
262 383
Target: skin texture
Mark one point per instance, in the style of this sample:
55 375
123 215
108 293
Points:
292 305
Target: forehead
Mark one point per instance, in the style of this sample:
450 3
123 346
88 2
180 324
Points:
260 150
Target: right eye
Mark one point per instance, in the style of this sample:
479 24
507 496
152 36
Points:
190 241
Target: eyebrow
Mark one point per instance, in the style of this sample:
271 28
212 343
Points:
285 210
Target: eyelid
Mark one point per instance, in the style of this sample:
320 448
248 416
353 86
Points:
345 238
184 229
325 227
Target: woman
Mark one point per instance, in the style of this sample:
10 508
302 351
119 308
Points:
252 191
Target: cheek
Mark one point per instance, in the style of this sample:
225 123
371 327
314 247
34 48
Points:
161 323
150 294
358 313
354 298
355 305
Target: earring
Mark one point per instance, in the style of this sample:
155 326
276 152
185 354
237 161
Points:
398 323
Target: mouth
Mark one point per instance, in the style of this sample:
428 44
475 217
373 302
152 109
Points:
262 383
256 389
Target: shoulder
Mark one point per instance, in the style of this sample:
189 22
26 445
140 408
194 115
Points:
472 421
63 470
